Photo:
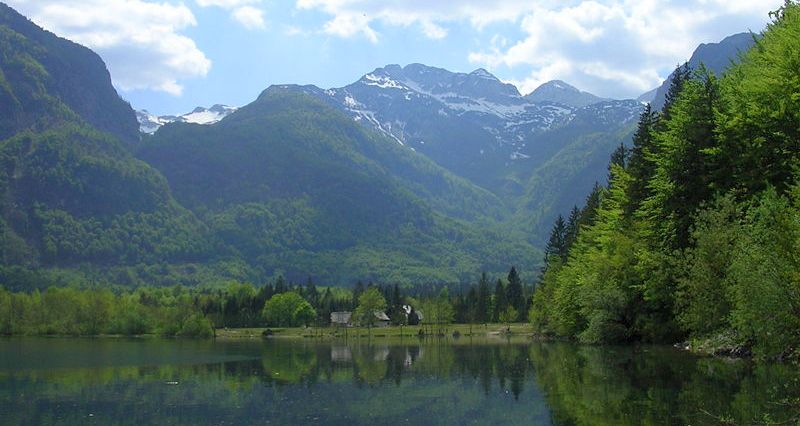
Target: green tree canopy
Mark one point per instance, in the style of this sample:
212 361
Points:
288 310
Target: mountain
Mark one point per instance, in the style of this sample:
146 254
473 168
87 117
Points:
149 123
72 192
648 97
290 184
46 79
409 174
562 93
482 129
472 124
717 57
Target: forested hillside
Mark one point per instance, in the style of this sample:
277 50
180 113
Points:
73 196
290 184
697 234
412 174
287 185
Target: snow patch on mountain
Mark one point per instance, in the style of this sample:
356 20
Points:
150 123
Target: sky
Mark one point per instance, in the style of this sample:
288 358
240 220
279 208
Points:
171 56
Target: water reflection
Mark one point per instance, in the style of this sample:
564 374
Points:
48 381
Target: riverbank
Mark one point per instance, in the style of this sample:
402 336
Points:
452 330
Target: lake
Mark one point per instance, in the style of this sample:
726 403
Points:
153 381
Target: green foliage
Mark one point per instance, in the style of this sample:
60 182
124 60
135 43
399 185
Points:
509 315
704 299
370 302
698 234
764 277
288 310
438 311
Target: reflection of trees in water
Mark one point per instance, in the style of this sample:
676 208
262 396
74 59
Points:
652 385
581 385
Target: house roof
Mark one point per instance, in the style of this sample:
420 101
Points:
381 316
341 317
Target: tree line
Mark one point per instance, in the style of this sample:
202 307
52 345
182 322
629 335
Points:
697 233
188 311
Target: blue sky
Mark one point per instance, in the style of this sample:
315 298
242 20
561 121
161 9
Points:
170 56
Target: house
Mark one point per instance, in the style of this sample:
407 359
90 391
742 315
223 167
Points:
383 319
407 310
342 319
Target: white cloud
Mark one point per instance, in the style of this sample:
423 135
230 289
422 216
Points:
242 11
140 41
349 24
226 4
610 47
249 16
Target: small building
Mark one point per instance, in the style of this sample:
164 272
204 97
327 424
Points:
383 319
408 310
342 319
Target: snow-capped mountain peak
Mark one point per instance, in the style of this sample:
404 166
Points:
560 92
150 123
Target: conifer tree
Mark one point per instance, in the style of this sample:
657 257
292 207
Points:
557 244
680 76
500 300
514 290
572 228
640 163
684 166
484 296
589 212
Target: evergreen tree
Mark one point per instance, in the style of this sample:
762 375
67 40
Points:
680 76
684 167
641 166
500 300
619 157
280 285
484 300
326 305
589 212
557 244
470 306
515 292
311 294
357 291
572 229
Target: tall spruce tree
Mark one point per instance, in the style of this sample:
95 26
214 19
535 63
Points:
484 299
619 157
500 300
557 244
515 292
572 228
680 76
685 165
641 166
589 211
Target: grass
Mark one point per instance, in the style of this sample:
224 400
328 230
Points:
464 330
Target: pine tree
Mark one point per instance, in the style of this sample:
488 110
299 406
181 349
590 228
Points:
572 229
500 300
357 291
557 244
589 212
684 167
484 301
311 294
515 290
680 76
619 157
280 285
641 166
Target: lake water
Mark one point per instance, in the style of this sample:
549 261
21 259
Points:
298 382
